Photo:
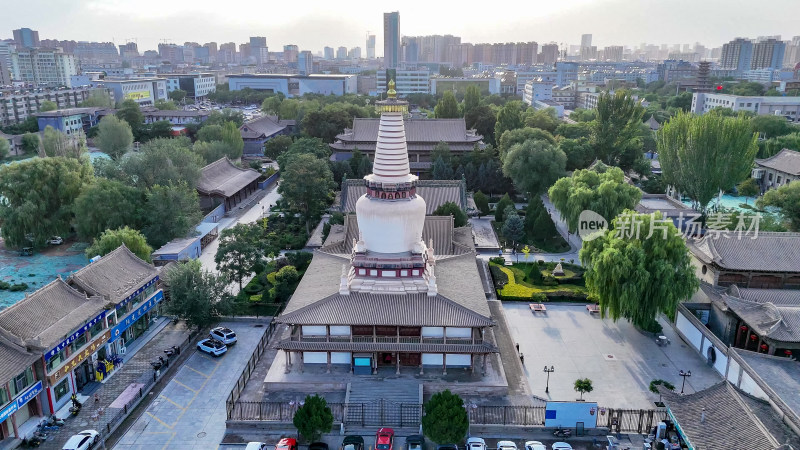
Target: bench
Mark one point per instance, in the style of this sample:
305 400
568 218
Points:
537 307
595 308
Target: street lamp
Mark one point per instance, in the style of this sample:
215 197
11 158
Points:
548 371
684 375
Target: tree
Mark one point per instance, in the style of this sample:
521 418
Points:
313 418
162 161
534 166
36 199
285 280
445 418
232 137
658 382
277 146
574 130
539 225
5 147
98 98
165 105
482 119
521 135
149 131
583 115
787 198
56 143
472 99
703 155
500 208
749 89
682 101
196 296
579 152
31 142
306 184
210 133
639 269
111 239
481 202
225 115
311 146
178 95
447 108
108 204
47 105
239 251
212 151
451 209
583 385
173 211
772 146
616 130
114 136
771 126
748 188
544 119
509 118
606 193
440 170
129 112
514 227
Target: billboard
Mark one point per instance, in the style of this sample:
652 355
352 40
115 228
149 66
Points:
569 414
137 95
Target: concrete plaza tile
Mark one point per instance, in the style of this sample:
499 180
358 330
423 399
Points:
191 379
179 393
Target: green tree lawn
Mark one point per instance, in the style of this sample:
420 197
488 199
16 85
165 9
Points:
554 244
516 282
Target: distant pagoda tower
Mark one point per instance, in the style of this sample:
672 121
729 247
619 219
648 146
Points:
390 255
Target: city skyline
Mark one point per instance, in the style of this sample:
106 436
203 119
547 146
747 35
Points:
611 22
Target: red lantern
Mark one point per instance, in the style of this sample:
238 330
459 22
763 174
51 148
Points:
753 337
743 328
763 346
719 87
787 352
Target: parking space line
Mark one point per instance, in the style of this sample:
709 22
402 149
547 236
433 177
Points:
171 401
181 384
195 370
166 444
161 421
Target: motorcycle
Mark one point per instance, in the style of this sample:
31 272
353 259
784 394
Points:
562 433
158 364
76 405
172 351
44 427
55 421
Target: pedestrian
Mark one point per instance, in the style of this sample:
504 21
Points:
96 398
522 359
517 347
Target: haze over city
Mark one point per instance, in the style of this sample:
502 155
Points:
315 24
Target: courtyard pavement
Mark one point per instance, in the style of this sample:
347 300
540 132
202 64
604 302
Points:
619 359
190 411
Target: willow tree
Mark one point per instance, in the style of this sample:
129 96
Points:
639 269
703 155
616 130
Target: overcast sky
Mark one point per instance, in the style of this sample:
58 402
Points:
313 24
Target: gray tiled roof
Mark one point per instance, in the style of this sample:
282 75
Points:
385 347
778 297
320 280
426 130
360 308
115 276
781 323
48 315
435 192
15 361
223 178
729 423
786 161
263 127
769 252
780 374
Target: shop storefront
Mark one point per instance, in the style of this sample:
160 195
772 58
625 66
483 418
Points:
137 321
75 369
22 406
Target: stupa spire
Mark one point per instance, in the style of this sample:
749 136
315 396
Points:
391 152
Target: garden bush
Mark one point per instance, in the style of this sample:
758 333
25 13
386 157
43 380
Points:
18 287
539 297
549 280
498 260
299 260
4 286
500 277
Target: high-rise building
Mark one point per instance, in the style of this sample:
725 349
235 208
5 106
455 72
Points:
327 53
586 40
410 49
391 39
25 37
370 46
128 50
305 62
792 54
549 53
43 67
341 53
737 54
768 54
212 51
171 53
227 53
258 49
613 53
290 53
354 53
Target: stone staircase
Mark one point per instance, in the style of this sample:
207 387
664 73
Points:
394 403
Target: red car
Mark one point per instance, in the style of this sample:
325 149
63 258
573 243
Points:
384 439
286 444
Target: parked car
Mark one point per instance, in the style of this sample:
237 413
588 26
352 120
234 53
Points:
561 446
353 443
506 445
224 335
55 240
287 444
415 442
81 441
535 445
317 446
212 347
255 446
447 447
476 443
384 439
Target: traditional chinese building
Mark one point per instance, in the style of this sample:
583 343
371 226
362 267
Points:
392 287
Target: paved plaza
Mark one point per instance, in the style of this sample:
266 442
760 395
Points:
190 411
619 359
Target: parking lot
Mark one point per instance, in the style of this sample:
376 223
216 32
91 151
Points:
620 360
190 411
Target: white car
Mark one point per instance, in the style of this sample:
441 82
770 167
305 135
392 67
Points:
82 441
476 443
506 445
212 347
535 445
256 446
224 335
561 446
56 240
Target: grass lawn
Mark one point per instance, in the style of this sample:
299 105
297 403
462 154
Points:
519 287
556 244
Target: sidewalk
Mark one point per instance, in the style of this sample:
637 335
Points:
133 371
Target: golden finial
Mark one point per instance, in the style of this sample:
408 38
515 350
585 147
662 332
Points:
391 93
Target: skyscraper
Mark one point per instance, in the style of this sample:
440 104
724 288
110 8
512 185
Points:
391 39
737 54
586 40
768 53
305 62
327 53
370 46
290 53
341 53
25 37
258 49
549 53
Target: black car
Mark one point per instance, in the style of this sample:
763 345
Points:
318 446
447 447
353 443
415 442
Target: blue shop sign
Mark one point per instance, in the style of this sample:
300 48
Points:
20 401
135 294
117 331
54 351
